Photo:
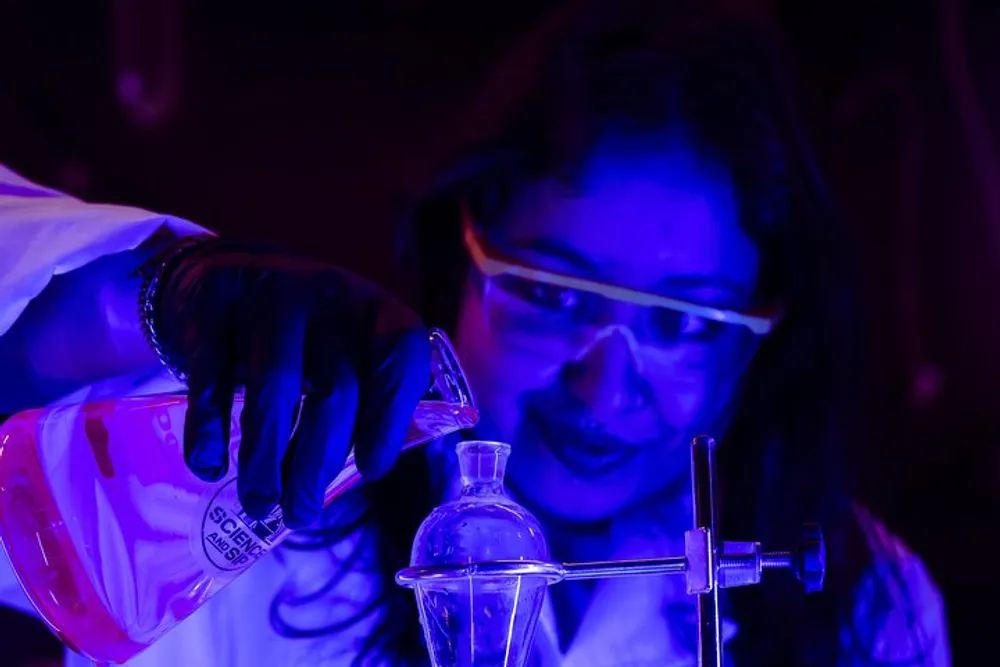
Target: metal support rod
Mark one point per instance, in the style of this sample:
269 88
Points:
626 568
703 493
671 565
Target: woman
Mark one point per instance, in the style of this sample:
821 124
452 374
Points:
661 174
658 154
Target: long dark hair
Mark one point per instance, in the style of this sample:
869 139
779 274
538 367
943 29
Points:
639 68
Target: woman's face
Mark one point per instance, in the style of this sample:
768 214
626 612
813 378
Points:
600 413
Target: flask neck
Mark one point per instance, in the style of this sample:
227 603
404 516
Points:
482 466
482 490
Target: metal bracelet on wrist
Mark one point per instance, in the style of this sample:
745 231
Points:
152 273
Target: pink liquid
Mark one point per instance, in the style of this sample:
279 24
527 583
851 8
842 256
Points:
113 539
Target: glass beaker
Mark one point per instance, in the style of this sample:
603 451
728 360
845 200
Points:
115 541
478 568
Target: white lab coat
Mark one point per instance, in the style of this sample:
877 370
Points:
45 233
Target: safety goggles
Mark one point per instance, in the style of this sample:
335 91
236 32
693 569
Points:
546 305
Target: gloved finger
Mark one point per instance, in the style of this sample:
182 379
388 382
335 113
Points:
396 378
274 367
320 445
210 405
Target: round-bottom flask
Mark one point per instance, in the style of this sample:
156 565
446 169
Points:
477 617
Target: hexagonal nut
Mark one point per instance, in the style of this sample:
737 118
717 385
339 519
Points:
810 560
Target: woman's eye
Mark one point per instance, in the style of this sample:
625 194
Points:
554 298
543 296
671 327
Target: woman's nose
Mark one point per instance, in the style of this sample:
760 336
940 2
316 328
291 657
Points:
607 374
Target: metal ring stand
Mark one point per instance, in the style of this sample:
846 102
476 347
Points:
707 564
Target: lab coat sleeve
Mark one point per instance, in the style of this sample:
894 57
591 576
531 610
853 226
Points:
900 614
45 233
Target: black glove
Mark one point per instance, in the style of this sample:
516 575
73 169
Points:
231 315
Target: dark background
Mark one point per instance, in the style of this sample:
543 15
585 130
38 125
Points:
308 122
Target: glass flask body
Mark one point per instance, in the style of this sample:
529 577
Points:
481 620
115 541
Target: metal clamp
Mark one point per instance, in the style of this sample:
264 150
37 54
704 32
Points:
707 564
731 564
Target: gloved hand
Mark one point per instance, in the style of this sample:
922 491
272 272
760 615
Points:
282 326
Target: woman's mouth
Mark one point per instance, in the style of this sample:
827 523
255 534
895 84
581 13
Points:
586 450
